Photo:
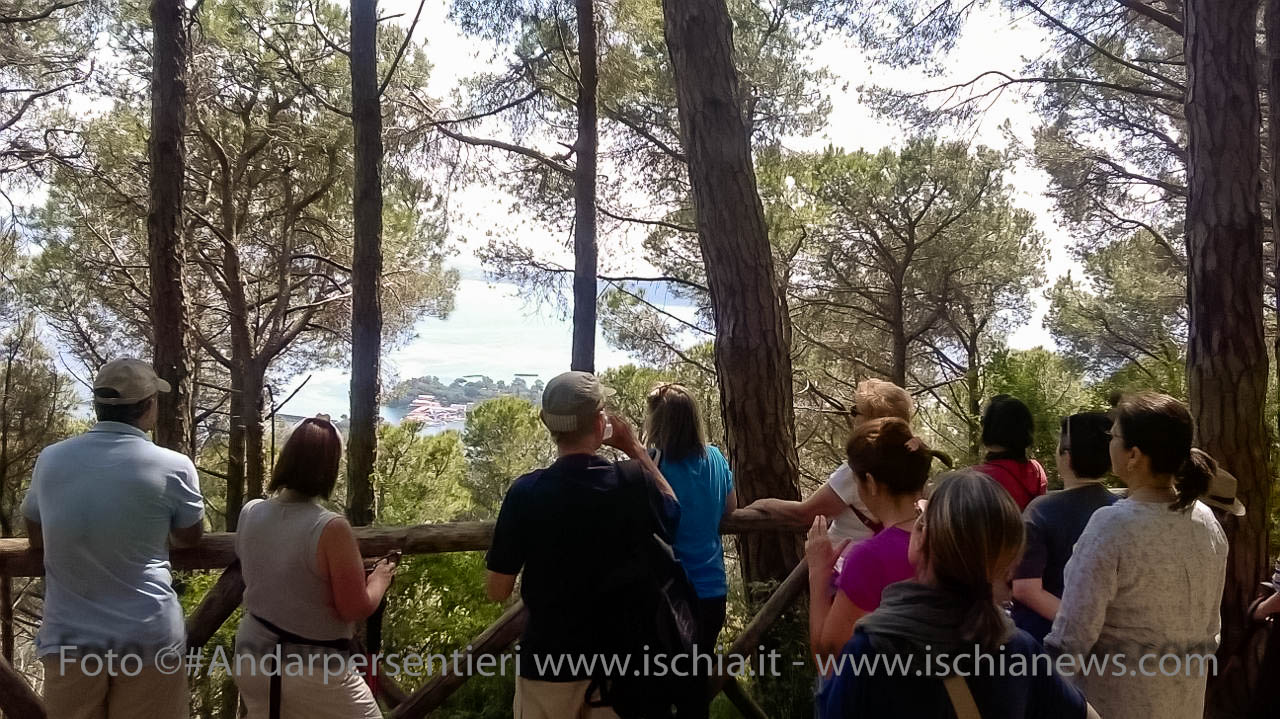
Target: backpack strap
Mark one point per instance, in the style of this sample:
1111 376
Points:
870 523
645 500
961 698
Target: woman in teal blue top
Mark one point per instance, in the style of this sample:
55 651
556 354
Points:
703 483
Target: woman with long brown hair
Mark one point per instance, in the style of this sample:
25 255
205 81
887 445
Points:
703 484
305 585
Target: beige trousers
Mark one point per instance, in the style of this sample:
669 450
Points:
537 699
309 696
151 694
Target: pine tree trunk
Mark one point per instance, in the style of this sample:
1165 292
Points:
167 154
1272 31
973 406
255 455
235 452
898 368
1226 353
752 347
366 262
584 196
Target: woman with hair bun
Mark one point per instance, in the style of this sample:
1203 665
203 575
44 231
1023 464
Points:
1147 574
838 499
890 471
945 631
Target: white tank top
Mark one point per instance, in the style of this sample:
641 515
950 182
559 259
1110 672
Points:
276 542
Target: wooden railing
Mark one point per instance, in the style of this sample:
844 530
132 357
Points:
217 551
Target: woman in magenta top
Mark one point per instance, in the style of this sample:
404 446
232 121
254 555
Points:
891 467
1007 432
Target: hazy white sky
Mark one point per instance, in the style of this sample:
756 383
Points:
495 332
992 39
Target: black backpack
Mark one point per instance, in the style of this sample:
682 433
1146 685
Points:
651 615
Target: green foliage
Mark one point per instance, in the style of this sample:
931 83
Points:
45 51
634 383
915 251
785 689
503 439
437 603
419 477
1127 315
209 688
461 391
268 198
36 405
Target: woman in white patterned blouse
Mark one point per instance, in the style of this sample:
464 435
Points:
1145 580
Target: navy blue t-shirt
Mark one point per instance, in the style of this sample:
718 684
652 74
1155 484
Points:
1011 694
567 526
1054 523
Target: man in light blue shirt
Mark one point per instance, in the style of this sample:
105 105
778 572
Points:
102 505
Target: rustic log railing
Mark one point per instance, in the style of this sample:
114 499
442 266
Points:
217 551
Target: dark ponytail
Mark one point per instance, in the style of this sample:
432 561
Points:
1160 427
1192 478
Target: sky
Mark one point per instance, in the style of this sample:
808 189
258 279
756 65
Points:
496 332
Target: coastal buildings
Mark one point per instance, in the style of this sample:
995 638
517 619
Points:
431 412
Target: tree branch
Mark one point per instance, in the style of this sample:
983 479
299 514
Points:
395 63
12 19
1151 13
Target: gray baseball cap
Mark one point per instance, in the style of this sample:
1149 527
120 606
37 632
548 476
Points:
571 398
131 379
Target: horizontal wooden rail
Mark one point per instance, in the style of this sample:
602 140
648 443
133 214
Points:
493 641
217 550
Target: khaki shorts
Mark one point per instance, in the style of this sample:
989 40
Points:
537 699
151 693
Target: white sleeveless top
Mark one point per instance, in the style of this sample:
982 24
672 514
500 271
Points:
276 542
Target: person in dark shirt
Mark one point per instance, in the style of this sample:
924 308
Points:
948 625
1055 521
566 527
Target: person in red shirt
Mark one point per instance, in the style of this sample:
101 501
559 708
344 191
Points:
1007 431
